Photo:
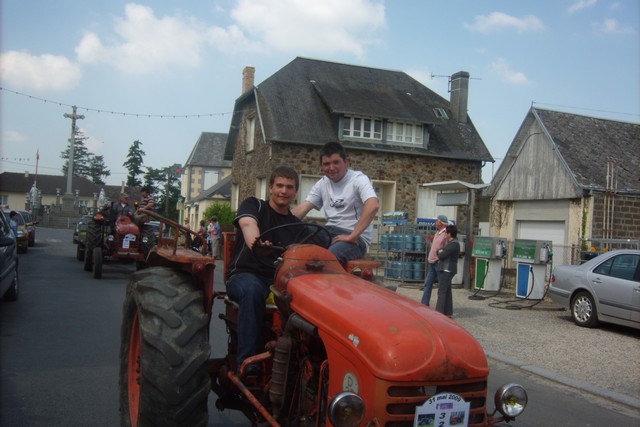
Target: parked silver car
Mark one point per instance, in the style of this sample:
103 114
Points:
603 289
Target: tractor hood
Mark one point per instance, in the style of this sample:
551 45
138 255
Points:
398 338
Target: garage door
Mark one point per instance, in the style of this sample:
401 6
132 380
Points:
546 230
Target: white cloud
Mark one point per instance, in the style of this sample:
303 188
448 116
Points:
13 136
146 42
611 26
496 21
21 70
580 5
506 74
323 26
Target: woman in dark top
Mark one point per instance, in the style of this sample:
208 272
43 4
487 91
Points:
447 268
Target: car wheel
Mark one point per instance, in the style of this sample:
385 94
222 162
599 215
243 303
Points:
583 310
12 293
80 252
164 351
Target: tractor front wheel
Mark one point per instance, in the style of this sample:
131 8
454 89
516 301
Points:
164 351
93 239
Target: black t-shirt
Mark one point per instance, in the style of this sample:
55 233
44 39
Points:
243 259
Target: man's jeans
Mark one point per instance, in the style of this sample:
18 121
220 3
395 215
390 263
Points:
432 277
344 251
250 292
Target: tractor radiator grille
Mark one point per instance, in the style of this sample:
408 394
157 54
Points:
401 401
133 245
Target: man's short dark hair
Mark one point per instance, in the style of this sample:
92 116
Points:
452 230
284 171
331 148
145 189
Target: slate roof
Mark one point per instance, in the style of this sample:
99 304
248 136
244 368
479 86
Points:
209 151
17 182
587 144
302 101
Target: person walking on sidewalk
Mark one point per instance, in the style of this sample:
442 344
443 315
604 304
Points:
447 268
439 239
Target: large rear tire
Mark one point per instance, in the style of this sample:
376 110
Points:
164 351
97 263
93 239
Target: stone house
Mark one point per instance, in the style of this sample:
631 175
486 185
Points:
205 176
396 130
568 177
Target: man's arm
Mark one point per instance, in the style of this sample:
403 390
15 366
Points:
302 209
369 211
250 230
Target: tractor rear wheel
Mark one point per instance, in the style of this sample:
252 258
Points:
147 241
97 263
93 239
164 351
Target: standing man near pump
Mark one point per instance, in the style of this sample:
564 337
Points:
439 240
349 202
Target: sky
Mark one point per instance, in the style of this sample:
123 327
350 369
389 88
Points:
162 72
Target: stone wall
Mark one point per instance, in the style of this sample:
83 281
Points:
626 217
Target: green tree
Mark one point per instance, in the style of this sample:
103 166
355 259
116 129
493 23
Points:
97 170
134 163
222 211
166 186
81 156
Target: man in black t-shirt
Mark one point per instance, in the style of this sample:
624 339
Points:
249 278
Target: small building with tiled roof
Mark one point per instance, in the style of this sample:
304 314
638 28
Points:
396 130
568 177
204 169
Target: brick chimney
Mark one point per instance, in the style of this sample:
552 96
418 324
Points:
247 78
460 95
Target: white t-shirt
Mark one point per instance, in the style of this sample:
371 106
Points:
343 201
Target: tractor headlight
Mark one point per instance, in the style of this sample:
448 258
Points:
346 409
511 399
110 238
145 239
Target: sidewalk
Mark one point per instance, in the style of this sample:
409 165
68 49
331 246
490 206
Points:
543 340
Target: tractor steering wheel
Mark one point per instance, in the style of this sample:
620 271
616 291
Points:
303 237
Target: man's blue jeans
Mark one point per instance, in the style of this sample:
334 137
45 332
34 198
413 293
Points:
346 251
432 277
250 292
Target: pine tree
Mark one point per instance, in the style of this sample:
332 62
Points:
134 163
97 170
81 157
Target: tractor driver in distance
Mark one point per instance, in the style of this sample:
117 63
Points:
121 207
249 277
349 202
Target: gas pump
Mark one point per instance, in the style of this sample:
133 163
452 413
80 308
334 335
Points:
489 254
459 277
533 258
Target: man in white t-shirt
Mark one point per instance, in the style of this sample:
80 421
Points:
349 202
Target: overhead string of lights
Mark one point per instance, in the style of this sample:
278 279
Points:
119 113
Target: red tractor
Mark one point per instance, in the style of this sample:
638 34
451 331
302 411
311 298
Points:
339 350
121 239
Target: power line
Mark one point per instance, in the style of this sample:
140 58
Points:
119 113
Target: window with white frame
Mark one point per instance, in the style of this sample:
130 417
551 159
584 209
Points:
407 133
250 136
362 127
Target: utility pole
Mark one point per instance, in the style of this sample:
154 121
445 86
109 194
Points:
72 141
68 197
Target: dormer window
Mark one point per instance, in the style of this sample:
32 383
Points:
362 127
407 133
441 113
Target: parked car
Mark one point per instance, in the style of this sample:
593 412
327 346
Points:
80 229
603 289
31 226
23 233
9 283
